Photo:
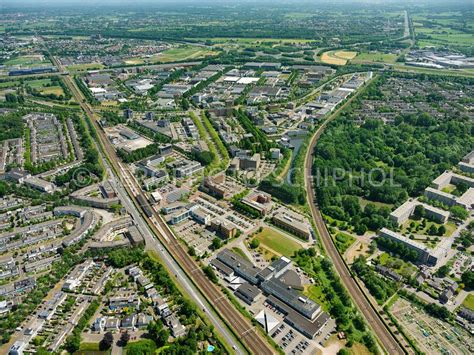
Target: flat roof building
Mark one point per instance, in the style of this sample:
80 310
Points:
293 223
248 293
425 255
241 267
403 213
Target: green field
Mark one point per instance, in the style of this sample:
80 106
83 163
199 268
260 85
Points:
239 251
399 266
374 57
469 302
89 347
36 84
27 61
316 293
41 86
445 29
343 241
278 242
186 52
9 84
84 67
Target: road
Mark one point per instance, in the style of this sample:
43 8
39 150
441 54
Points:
372 317
241 326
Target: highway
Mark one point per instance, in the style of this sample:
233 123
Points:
167 245
372 317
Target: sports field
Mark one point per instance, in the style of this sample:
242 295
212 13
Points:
277 242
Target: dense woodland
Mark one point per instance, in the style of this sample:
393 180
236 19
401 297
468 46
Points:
384 163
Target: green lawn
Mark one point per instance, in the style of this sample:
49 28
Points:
35 84
89 347
375 57
85 67
343 241
418 229
315 292
278 242
399 266
240 252
26 61
469 302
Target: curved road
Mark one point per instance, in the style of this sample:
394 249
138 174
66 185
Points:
374 320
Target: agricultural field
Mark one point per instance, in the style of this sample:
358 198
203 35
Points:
338 57
451 29
277 242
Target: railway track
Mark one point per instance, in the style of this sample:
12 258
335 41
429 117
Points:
242 327
373 318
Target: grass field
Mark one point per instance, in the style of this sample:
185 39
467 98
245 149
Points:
28 61
239 251
343 241
37 84
9 84
444 29
186 52
277 242
469 302
401 267
40 85
56 90
89 347
375 57
84 67
337 57
315 292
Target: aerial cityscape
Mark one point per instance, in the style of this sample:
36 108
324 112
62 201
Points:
237 177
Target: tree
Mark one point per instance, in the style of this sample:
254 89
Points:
106 341
124 338
433 230
216 244
468 279
441 230
73 342
459 212
442 271
255 243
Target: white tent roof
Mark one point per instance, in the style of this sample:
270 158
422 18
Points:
267 321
